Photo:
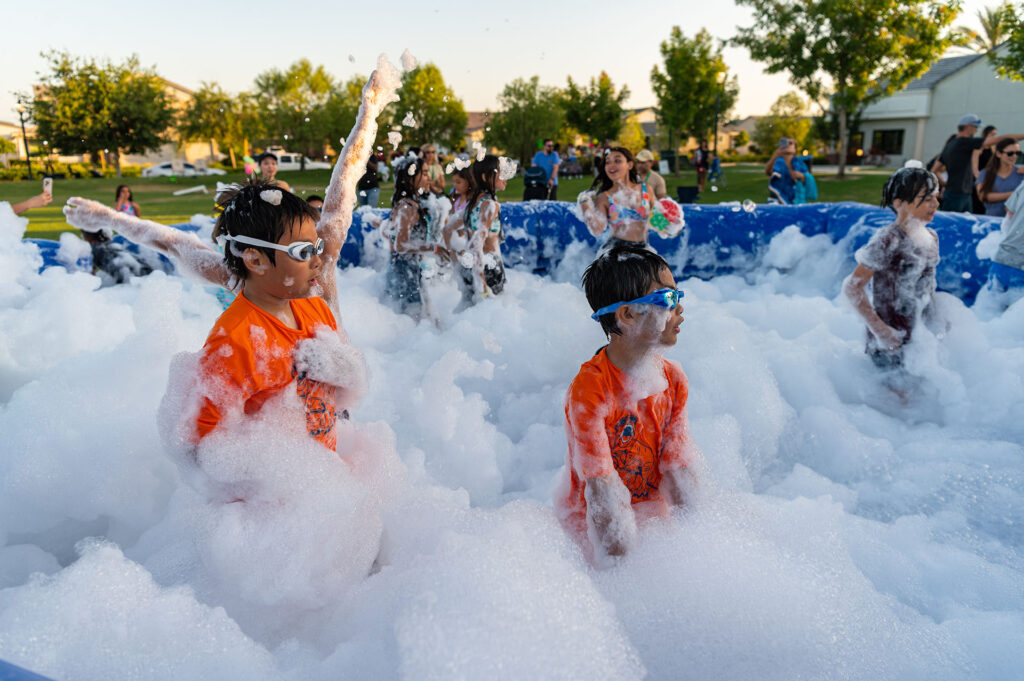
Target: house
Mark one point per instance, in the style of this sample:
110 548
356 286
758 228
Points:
916 122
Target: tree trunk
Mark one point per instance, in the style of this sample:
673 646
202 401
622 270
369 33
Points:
117 161
675 151
213 156
231 153
843 142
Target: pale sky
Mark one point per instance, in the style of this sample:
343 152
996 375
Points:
479 46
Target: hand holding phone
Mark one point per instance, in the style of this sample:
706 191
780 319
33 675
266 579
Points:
48 185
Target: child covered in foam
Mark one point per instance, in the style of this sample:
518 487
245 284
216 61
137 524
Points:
630 452
278 333
899 262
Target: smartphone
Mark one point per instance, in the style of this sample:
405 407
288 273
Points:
48 185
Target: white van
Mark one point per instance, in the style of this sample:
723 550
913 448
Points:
289 160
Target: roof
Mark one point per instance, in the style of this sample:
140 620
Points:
476 119
941 70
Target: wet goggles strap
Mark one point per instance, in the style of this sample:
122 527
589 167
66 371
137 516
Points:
663 297
297 250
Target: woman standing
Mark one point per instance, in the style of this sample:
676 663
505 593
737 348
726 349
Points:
1000 177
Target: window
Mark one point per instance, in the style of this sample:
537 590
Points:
887 141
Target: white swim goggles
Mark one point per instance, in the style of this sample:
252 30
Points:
297 250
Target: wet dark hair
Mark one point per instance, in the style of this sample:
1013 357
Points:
992 167
906 183
603 180
117 192
314 197
405 184
467 175
623 273
485 172
245 213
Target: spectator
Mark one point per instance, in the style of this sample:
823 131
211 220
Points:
789 175
655 182
701 162
549 160
268 169
368 185
124 202
316 202
956 159
1000 177
979 161
433 169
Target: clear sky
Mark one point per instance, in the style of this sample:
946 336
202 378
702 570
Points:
479 46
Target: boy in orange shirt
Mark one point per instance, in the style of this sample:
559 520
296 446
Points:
278 332
625 412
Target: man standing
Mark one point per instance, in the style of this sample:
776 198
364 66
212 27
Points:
956 159
655 182
549 161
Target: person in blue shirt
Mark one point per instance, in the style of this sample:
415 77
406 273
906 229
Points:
790 181
549 160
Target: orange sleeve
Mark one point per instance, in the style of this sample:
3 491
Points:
676 444
227 379
585 412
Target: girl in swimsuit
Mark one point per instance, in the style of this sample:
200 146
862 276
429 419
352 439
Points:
476 234
623 203
124 202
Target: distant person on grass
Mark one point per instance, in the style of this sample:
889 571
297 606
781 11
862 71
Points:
268 169
124 202
549 160
644 165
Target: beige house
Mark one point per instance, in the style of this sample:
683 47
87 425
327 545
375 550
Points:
916 122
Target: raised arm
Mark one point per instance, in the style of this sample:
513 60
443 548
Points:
37 201
340 198
191 255
595 212
856 291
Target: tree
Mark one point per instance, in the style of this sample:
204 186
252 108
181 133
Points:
852 51
596 111
7 147
1011 64
788 117
688 87
995 28
632 134
529 112
438 114
86 107
214 115
289 102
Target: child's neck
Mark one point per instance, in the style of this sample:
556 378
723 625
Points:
627 354
272 305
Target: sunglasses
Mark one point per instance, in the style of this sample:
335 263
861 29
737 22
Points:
663 297
297 250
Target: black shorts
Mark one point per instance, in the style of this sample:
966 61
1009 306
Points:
403 280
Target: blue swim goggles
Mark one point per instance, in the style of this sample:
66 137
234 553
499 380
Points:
663 297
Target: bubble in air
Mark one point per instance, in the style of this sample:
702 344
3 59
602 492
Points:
714 188
749 206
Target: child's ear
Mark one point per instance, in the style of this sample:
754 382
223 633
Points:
624 316
255 262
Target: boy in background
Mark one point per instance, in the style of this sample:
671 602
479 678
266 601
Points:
625 412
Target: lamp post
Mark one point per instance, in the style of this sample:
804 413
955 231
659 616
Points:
719 79
24 137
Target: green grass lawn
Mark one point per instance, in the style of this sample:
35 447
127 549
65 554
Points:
155 197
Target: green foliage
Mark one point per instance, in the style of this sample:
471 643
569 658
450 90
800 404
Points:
1011 64
851 51
440 116
288 104
596 111
7 146
688 88
632 134
788 117
212 114
529 112
996 24
84 107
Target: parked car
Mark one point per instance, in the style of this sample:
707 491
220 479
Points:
289 160
187 170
